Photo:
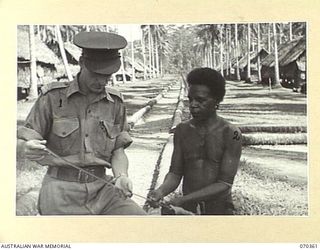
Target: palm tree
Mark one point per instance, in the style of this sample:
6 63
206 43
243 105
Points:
132 56
124 79
143 37
150 49
63 53
269 37
208 34
221 49
227 49
276 61
248 55
290 31
33 94
164 46
236 51
258 49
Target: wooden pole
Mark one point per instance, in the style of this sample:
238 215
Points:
33 93
276 60
63 54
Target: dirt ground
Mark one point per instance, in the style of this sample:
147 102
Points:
272 179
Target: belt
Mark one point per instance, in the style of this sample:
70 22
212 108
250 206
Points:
75 175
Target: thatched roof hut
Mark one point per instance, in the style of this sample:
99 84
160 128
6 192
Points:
243 62
294 54
43 53
73 52
137 64
287 52
292 62
46 60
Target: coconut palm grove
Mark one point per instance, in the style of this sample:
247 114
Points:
265 67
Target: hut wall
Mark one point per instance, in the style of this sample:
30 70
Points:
291 76
45 74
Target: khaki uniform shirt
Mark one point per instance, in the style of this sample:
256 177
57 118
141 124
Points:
85 133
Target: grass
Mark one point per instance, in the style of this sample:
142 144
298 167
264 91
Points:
258 192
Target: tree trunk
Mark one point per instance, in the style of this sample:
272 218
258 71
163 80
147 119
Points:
161 66
210 56
221 50
258 59
144 56
205 52
67 34
290 31
276 62
280 33
269 38
237 52
213 52
132 57
248 55
133 63
63 54
153 57
33 93
230 51
44 33
124 79
227 51
38 32
150 51
157 57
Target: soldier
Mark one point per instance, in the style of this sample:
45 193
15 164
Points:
206 153
83 123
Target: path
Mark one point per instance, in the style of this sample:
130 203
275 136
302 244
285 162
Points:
244 105
149 136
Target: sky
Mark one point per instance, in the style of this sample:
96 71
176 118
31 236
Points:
129 31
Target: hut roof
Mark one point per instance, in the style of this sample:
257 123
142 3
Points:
244 60
137 64
294 53
42 51
287 52
253 58
73 50
301 62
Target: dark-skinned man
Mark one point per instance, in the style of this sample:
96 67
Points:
206 153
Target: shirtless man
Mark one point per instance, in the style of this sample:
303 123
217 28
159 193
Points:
207 150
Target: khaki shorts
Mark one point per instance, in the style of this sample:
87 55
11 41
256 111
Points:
59 197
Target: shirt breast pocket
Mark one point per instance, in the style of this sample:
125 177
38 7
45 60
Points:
112 130
65 132
106 139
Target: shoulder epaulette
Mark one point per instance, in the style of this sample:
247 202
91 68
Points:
53 85
115 92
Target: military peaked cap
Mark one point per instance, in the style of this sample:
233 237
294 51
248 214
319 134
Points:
100 50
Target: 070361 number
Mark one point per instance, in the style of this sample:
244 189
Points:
308 245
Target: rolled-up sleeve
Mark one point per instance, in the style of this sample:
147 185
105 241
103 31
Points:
123 139
39 118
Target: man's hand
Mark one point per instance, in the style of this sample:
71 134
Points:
154 197
124 184
34 149
177 202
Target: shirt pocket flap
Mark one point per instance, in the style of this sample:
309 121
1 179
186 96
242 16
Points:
64 127
113 130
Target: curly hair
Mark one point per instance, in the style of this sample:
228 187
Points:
210 78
